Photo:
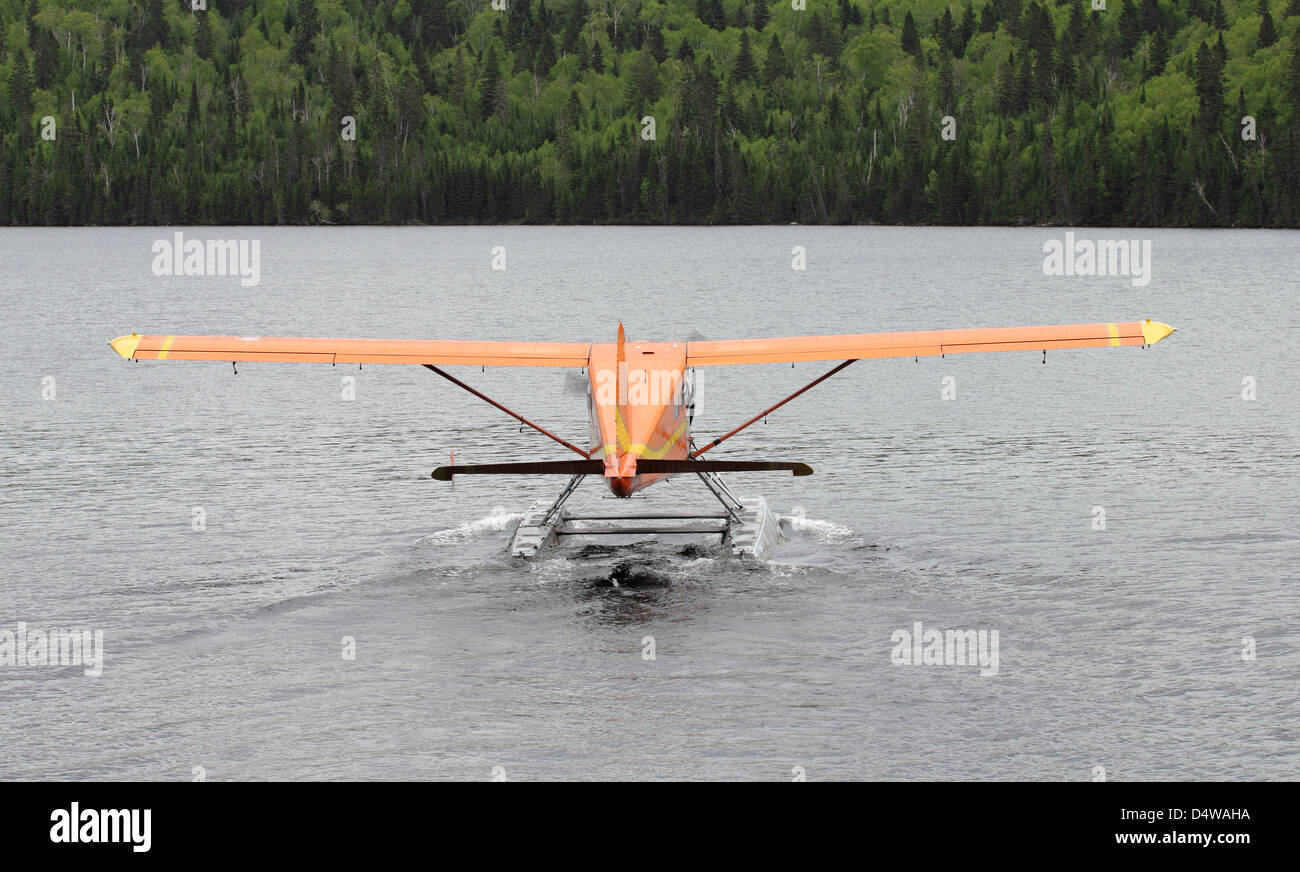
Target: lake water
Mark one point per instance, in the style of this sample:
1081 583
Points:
1119 648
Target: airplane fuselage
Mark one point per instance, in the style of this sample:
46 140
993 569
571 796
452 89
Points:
639 407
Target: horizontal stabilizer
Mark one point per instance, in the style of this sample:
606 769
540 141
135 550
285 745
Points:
596 467
669 467
545 467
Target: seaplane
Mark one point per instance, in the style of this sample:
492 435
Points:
641 405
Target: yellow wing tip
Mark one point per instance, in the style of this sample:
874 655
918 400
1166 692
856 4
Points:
1154 331
125 345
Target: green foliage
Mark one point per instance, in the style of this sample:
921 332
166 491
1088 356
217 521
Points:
763 112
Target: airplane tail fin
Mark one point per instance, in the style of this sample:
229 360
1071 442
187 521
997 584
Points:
623 441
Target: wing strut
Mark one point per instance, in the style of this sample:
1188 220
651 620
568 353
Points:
763 414
520 418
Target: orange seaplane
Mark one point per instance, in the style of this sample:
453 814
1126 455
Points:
640 398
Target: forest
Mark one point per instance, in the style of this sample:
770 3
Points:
1009 112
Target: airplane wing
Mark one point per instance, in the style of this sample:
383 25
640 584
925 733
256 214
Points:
847 346
243 349
920 343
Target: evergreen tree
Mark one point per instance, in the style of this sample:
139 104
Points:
850 14
711 13
1209 87
1293 82
911 40
1267 31
20 89
943 30
966 31
519 23
489 82
156 30
545 55
643 80
573 27
744 69
1159 53
46 64
1151 17
1039 31
947 84
824 37
775 66
1130 27
658 47
342 83
304 32
1072 41
1009 98
202 35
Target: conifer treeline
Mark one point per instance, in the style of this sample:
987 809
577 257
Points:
930 111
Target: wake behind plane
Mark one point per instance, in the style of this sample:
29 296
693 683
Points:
641 406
